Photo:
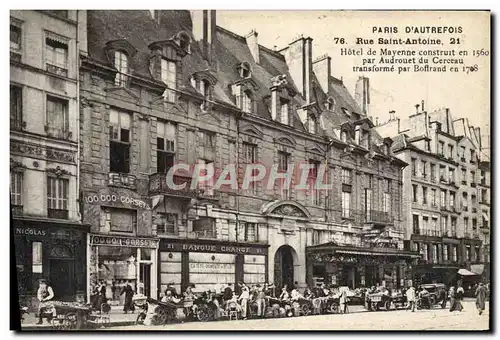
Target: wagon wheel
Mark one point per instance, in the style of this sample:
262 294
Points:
305 309
203 314
69 321
375 306
334 308
140 319
161 316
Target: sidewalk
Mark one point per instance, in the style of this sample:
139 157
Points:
117 318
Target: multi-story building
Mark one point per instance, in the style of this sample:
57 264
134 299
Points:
171 88
440 191
50 240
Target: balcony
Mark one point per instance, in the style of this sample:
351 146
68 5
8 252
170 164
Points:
433 179
424 176
57 70
378 217
17 210
205 233
158 186
122 180
450 233
57 213
442 179
435 233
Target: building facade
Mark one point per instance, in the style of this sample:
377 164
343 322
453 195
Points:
172 89
440 190
50 240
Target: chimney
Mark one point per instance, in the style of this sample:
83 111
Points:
376 121
253 45
204 24
299 60
423 109
322 68
392 115
416 108
362 94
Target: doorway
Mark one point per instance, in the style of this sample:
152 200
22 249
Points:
61 279
145 278
284 267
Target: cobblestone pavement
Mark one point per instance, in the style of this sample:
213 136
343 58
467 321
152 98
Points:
434 319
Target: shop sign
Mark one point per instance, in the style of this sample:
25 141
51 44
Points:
30 231
212 248
118 198
199 265
118 241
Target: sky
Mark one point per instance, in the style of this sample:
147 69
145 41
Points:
466 95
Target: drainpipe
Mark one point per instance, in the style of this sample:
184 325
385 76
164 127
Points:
327 172
237 146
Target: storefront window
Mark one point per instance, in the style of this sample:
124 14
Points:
37 257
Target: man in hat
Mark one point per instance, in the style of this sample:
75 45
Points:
244 296
44 294
480 298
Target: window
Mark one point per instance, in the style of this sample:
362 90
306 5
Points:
434 226
473 177
435 253
15 37
204 227
57 117
474 224
169 77
450 151
466 226
16 107
445 252
414 166
165 146
121 64
330 104
245 70
207 186
451 174
282 161
37 258
166 224
452 199
346 204
250 157
443 198
386 202
316 237
444 225
465 202
442 173
205 89
433 172
368 203
311 124
346 176
313 176
472 156
119 220
425 225
425 252
416 247
424 169
251 232
247 102
455 255
433 197
462 153
185 42
416 227
441 149
57 197
284 114
16 188
56 56
414 193
424 195
343 136
468 253
119 145
477 255
453 226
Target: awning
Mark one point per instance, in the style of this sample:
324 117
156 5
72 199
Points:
478 269
465 272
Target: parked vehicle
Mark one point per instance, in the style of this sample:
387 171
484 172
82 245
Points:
378 301
399 300
438 294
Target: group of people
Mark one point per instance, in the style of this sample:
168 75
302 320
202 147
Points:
99 295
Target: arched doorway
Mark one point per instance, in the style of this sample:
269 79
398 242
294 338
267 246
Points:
284 266
61 269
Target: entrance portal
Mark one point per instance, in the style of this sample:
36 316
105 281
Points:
283 267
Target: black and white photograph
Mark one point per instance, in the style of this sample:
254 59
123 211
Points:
250 170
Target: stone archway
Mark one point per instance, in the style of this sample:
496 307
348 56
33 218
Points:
286 208
285 259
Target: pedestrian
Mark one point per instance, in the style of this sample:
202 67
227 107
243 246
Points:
459 296
260 301
44 295
114 290
102 292
245 295
480 298
129 293
343 300
411 297
454 303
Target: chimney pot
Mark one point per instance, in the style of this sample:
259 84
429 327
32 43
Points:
423 106
416 107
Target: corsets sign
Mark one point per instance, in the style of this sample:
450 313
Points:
119 241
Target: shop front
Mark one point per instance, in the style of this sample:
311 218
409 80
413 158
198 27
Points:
358 267
53 251
118 261
209 264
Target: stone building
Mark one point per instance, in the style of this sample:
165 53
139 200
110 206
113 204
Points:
172 88
440 189
48 234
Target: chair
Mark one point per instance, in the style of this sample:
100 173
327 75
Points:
232 309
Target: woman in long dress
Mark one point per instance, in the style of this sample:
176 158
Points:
129 293
480 298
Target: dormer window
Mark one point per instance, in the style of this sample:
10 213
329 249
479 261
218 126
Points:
343 136
184 41
205 89
204 82
284 114
245 70
312 124
121 64
330 104
169 77
247 102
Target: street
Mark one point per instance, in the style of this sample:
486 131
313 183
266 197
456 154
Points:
435 319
